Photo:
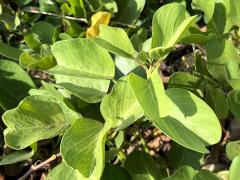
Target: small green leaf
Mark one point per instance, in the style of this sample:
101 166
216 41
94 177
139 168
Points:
141 166
179 156
46 32
222 60
233 103
74 7
36 62
9 51
35 118
15 157
186 81
47 5
116 41
129 10
115 172
33 41
233 14
185 172
206 6
15 84
216 99
169 28
233 149
218 21
83 145
234 172
121 106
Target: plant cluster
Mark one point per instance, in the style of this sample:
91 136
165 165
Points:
83 82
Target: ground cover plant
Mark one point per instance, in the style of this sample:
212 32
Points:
111 89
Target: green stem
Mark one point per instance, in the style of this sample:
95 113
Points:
121 156
143 142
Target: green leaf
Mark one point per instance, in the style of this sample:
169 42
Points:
216 99
129 10
222 60
15 157
48 91
191 122
9 18
115 172
185 172
169 28
47 5
33 41
124 66
82 74
204 174
15 84
74 7
63 172
218 22
36 62
82 58
234 172
9 51
179 156
233 149
121 106
89 90
35 118
186 81
94 4
116 41
234 103
87 153
46 32
206 6
150 95
233 14
141 166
